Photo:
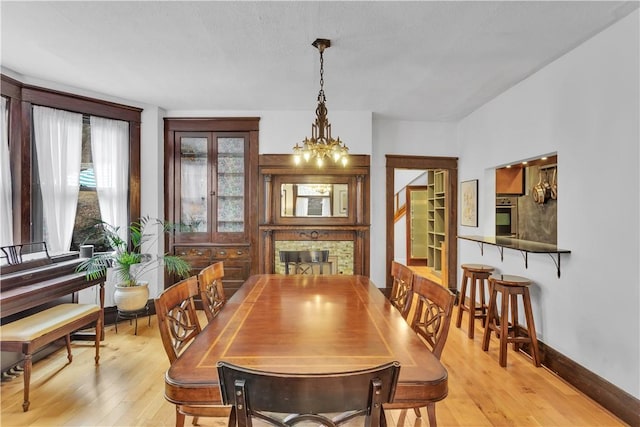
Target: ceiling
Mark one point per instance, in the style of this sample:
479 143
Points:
420 60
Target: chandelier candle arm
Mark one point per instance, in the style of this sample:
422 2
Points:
321 144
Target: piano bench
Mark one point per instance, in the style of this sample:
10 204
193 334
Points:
33 332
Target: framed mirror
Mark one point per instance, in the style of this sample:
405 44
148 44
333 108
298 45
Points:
300 198
314 200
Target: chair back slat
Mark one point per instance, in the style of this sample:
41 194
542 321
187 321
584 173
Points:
177 318
211 289
274 397
432 316
401 295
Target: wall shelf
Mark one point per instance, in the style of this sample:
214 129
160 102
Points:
524 246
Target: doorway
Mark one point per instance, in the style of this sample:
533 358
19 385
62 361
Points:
449 164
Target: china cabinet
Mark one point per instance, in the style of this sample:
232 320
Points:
210 193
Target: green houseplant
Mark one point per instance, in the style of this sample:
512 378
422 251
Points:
128 261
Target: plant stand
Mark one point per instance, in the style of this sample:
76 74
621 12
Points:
122 314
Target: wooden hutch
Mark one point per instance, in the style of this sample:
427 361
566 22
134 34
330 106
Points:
211 169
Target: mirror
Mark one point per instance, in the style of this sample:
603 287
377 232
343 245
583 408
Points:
314 200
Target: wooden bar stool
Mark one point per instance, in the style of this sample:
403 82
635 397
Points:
510 287
477 274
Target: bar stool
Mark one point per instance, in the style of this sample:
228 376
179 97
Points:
510 287
477 274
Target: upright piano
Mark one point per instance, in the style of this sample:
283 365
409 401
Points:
30 277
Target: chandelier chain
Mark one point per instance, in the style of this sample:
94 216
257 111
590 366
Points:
321 96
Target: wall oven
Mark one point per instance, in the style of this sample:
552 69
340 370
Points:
507 217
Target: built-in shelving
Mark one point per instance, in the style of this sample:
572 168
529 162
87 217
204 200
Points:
437 217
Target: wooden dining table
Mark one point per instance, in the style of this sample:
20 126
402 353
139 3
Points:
306 324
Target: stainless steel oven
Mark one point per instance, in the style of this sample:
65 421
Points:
507 216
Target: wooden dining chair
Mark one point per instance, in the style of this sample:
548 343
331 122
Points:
302 262
351 398
431 321
401 295
179 325
308 259
290 259
211 289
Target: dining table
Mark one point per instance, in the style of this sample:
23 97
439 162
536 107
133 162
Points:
306 324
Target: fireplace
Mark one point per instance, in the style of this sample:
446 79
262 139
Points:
340 254
342 227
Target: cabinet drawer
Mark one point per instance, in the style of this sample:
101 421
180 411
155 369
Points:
195 256
224 253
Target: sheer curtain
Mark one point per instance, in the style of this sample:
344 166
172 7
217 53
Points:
110 152
58 138
6 215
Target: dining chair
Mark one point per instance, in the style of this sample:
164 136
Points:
302 262
352 398
211 289
431 321
179 325
290 259
401 295
310 258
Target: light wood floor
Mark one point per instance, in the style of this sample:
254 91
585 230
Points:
127 388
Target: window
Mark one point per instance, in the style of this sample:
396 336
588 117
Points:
27 195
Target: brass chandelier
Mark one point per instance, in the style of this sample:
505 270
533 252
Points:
321 145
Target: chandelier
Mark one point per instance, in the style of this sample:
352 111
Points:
321 145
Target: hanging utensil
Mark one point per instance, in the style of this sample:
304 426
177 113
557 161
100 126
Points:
538 190
554 185
547 186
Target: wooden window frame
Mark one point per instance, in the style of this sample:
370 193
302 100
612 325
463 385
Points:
22 97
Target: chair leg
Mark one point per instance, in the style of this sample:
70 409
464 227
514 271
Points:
431 411
472 306
504 329
531 328
67 340
514 321
195 421
179 417
417 411
491 322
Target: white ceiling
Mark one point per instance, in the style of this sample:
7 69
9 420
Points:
420 60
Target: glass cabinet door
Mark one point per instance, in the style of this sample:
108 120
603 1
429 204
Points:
230 177
194 180
210 191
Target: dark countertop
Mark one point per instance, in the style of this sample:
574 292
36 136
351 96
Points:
521 245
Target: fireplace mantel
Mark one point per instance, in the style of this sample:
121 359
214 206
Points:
344 229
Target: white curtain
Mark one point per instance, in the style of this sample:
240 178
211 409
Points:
110 153
58 138
6 215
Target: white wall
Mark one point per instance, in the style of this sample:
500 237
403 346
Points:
281 130
406 138
584 106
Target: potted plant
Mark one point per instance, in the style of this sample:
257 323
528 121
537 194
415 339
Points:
129 263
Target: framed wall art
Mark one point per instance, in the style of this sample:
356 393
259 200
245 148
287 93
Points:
469 195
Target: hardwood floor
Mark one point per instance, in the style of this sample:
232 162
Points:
127 388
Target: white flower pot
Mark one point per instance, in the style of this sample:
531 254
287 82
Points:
131 298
